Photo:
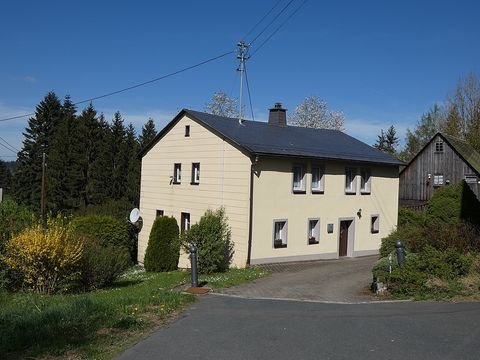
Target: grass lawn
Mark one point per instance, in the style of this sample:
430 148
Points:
102 323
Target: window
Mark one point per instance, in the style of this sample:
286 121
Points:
195 173
365 181
313 231
438 180
298 178
350 184
159 213
375 224
187 130
185 222
280 234
318 179
439 146
177 173
471 178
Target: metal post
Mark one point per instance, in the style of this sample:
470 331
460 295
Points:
193 260
242 56
400 252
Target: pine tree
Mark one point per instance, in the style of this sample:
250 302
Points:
119 157
133 170
387 141
5 178
37 140
148 133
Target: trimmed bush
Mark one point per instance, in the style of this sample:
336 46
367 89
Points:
445 205
47 259
106 229
409 217
212 237
163 249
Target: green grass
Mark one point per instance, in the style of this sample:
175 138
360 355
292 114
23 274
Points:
233 277
102 323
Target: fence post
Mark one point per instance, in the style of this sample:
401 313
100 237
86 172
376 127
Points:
193 261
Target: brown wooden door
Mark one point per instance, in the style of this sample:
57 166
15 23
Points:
343 238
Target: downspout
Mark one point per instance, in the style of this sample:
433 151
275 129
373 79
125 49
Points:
250 217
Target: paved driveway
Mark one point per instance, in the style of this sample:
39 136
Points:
346 280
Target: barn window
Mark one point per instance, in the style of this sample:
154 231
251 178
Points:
438 180
439 146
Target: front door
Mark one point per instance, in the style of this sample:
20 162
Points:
343 238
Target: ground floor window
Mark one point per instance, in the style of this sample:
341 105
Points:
438 180
313 231
185 222
375 224
280 234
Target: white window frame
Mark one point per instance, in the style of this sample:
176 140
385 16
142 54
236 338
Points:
375 224
282 233
301 187
177 173
320 170
352 184
438 180
313 232
365 181
195 173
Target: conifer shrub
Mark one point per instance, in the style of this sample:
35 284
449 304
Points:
163 249
106 229
47 259
212 237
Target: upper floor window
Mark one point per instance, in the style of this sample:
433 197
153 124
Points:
318 179
439 146
438 180
195 173
350 183
187 130
177 173
298 178
365 181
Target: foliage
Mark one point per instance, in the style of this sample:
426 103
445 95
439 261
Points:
387 141
222 105
13 219
212 237
87 324
47 259
409 217
107 230
101 264
163 249
148 133
313 112
5 178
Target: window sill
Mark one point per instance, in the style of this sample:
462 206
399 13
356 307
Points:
375 231
282 246
365 192
350 192
313 242
194 183
317 191
299 191
176 183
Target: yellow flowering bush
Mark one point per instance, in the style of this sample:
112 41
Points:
46 258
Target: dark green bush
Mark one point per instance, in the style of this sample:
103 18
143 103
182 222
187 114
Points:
407 234
163 249
212 237
101 264
445 205
106 229
409 217
13 219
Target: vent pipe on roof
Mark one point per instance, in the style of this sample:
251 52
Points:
278 115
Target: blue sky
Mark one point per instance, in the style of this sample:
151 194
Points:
380 62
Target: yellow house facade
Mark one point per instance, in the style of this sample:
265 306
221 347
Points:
290 193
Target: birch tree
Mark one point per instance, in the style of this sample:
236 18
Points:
313 113
222 105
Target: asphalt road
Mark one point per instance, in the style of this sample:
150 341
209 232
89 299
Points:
219 327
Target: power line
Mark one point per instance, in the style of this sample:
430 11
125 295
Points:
279 27
271 22
135 86
248 91
6 147
263 18
9 145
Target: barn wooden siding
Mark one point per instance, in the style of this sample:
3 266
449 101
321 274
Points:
414 184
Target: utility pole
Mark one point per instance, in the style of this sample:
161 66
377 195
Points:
242 56
42 196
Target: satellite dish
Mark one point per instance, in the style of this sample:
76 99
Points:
134 215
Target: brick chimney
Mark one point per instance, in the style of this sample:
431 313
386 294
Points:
278 115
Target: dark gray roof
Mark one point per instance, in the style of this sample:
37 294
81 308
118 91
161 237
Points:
261 138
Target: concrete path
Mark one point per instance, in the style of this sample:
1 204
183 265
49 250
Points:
218 327
346 280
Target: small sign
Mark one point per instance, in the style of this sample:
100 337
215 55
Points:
330 228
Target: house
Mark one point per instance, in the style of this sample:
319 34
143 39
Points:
290 193
442 161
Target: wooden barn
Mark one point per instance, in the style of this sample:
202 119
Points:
443 160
